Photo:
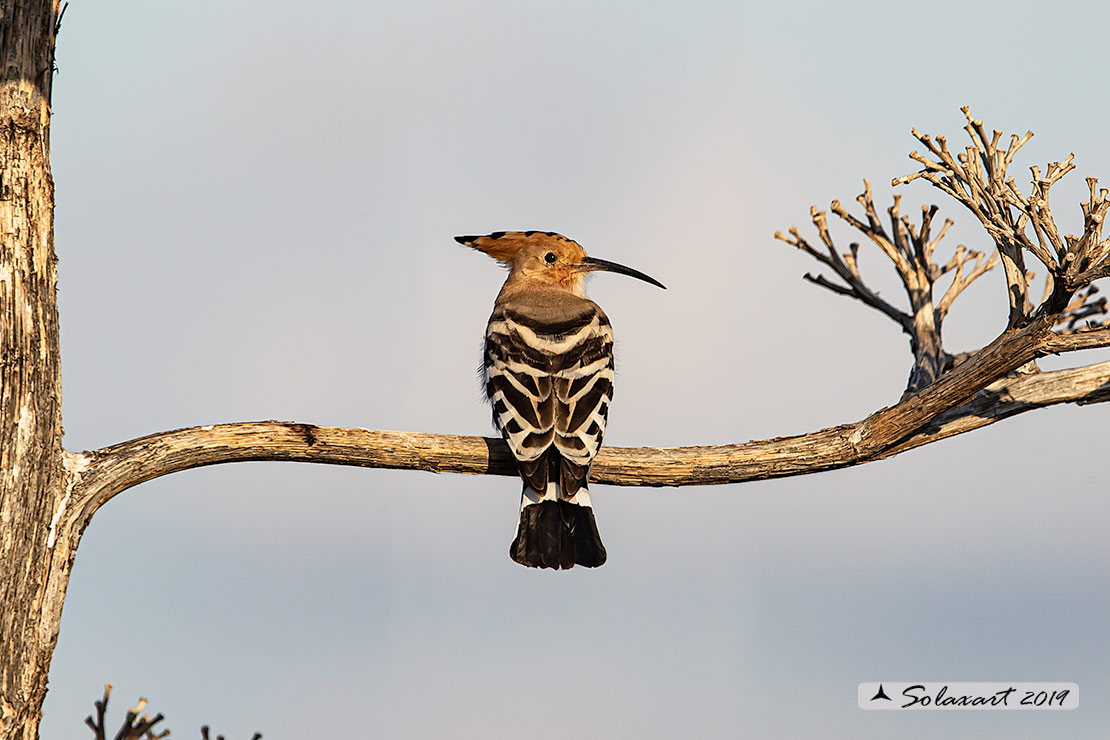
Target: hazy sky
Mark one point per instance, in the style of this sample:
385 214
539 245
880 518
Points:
255 205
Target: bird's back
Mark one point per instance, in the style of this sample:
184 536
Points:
549 376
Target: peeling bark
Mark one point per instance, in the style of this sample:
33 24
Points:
33 478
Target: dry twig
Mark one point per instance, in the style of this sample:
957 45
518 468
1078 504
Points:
135 727
910 249
1017 223
1020 223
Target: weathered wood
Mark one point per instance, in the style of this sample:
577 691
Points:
101 474
32 475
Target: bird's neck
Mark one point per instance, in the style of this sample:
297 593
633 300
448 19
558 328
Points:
518 283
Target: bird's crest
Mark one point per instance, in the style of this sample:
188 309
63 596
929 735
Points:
544 258
505 245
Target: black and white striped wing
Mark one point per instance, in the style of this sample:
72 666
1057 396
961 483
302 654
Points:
550 382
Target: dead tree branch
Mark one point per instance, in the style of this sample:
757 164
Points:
135 727
1078 314
910 249
979 392
1017 223
1020 223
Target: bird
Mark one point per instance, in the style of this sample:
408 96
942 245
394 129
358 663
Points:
547 370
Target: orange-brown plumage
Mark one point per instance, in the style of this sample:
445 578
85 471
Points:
525 253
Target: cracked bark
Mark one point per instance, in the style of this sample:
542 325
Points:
33 478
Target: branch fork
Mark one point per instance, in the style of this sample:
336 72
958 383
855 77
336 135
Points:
1017 223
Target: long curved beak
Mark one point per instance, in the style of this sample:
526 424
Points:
590 264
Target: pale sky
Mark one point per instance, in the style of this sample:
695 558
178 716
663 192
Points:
255 205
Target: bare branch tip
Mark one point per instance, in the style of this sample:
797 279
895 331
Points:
794 239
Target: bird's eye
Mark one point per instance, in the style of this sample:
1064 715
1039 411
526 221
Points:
550 258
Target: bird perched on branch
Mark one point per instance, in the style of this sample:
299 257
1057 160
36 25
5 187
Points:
548 370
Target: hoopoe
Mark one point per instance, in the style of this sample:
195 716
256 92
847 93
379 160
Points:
548 372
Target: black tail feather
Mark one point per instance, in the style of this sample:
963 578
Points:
557 534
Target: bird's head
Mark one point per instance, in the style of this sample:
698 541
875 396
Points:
547 258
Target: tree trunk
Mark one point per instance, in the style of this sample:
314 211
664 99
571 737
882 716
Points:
32 462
